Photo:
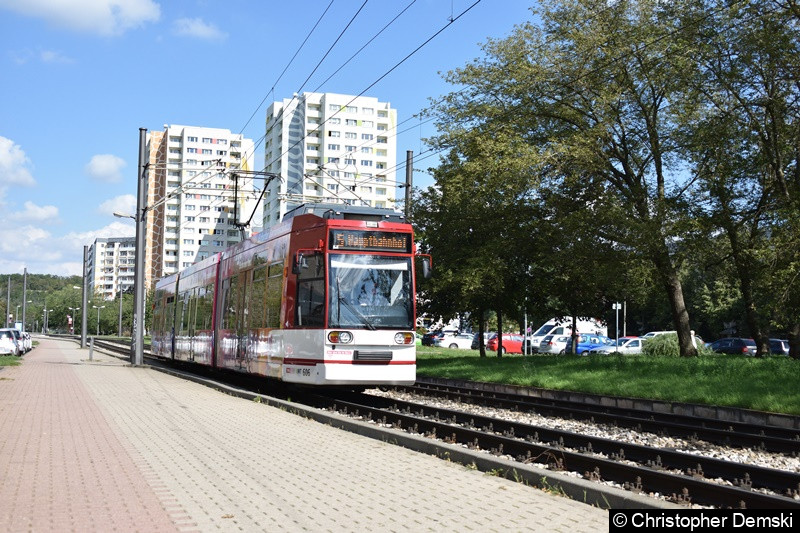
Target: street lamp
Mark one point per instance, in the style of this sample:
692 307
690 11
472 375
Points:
98 316
72 325
45 326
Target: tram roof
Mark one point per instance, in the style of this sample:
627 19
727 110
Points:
346 212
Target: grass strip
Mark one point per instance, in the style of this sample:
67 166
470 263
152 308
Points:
770 384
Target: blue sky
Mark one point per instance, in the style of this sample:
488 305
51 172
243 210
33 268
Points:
80 77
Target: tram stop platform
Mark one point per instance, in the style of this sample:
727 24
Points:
103 446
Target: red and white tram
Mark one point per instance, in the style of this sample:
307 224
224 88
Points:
324 298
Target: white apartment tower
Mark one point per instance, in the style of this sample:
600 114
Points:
197 184
329 147
110 266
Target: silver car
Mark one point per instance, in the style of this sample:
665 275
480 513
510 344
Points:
554 344
627 345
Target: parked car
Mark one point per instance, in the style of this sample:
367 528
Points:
651 334
458 340
554 344
487 335
589 342
779 346
512 343
8 343
23 346
430 338
563 326
27 341
626 345
734 345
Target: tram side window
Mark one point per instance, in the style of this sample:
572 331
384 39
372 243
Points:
233 304
274 293
158 311
169 314
204 302
257 314
311 293
228 319
183 313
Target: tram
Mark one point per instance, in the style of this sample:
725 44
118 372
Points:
326 297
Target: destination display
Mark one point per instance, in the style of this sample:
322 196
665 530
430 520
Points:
373 241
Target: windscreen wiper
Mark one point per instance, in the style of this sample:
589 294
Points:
355 311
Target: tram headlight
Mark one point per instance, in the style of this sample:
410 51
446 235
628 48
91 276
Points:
404 338
340 337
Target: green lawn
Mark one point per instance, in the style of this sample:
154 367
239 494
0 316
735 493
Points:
9 360
769 384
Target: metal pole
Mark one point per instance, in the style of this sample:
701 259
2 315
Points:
24 296
119 326
84 296
624 318
137 352
8 302
409 180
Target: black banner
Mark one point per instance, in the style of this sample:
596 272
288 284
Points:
700 520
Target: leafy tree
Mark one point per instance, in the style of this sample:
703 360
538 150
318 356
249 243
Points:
476 224
744 148
592 92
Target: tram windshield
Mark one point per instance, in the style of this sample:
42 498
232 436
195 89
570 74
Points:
371 292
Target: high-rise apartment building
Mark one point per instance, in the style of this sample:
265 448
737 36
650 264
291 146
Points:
110 266
329 148
198 190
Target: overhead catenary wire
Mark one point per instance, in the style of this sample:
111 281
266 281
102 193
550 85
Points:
403 60
280 76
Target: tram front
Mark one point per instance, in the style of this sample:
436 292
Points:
360 289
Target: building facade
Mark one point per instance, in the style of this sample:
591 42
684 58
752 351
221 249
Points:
199 190
110 266
329 147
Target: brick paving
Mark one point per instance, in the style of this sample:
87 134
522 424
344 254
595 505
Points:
101 446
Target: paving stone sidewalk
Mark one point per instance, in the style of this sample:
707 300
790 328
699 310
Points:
102 446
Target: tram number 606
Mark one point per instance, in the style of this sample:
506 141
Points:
305 372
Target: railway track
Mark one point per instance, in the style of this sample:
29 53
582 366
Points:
732 434
679 477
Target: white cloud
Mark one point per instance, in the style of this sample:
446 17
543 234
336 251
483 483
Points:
106 168
44 253
14 165
102 17
125 205
198 28
35 213
54 56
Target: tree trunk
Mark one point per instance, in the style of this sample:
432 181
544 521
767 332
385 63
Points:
499 333
745 272
481 333
573 338
680 316
794 341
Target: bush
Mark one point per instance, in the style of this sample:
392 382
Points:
666 345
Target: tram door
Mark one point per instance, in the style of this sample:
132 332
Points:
233 334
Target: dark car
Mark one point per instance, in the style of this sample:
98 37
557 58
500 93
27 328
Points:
487 336
779 346
734 345
430 338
